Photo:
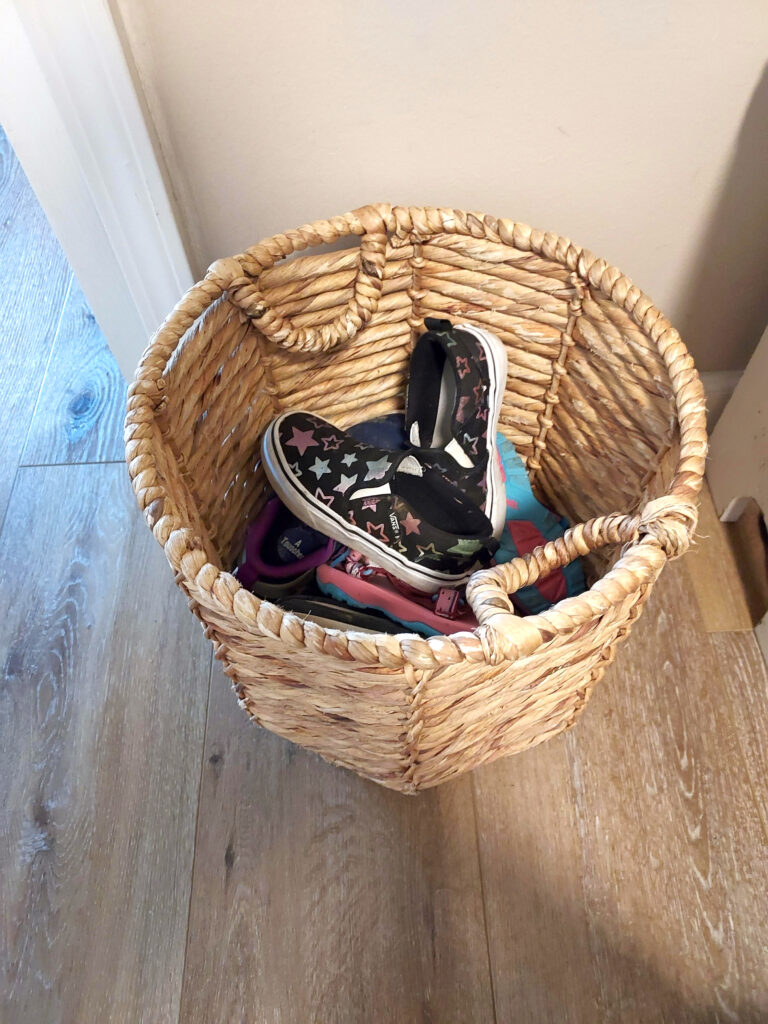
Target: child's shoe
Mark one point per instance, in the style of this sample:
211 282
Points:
402 514
456 386
352 579
281 553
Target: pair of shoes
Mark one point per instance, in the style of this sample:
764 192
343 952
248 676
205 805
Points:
286 561
429 514
349 578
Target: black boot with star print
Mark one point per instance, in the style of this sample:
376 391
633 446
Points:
456 385
403 514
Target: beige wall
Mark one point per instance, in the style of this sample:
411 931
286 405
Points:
637 129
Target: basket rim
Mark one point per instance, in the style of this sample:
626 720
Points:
661 529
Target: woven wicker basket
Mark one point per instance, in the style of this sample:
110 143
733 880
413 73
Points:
602 402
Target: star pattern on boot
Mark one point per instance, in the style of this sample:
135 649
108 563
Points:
320 467
461 411
344 484
465 547
462 367
411 524
326 498
471 443
377 530
302 439
377 468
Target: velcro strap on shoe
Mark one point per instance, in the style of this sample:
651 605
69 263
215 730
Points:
447 605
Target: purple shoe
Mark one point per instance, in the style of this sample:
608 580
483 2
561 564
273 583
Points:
281 553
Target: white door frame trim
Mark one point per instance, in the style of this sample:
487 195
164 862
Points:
70 109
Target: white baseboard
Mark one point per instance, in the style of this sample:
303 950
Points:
719 385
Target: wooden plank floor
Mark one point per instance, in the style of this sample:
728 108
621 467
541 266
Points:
163 860
101 723
35 282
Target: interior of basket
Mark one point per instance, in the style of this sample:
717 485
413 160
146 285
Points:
602 440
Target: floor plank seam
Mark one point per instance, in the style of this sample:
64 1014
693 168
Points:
482 898
745 761
579 809
49 465
48 361
37 399
194 841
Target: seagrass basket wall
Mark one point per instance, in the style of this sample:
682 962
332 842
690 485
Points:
602 402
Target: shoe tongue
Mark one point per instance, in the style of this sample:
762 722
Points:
297 542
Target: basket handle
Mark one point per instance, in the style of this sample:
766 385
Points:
663 530
239 276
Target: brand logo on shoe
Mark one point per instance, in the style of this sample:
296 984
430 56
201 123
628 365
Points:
295 549
395 524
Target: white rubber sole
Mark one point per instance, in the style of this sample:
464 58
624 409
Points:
496 354
318 515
